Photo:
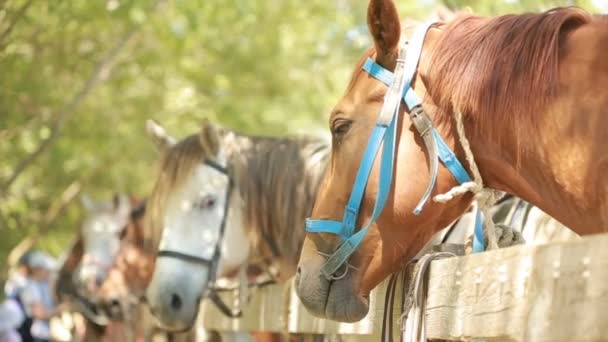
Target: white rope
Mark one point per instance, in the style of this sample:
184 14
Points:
485 197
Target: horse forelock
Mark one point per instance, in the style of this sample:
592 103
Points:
175 166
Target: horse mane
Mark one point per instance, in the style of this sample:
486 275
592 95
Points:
506 67
135 232
277 179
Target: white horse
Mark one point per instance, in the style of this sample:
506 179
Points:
224 203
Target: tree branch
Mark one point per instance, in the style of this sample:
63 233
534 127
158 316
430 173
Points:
101 71
20 13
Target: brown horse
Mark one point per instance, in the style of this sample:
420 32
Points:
532 90
122 292
128 277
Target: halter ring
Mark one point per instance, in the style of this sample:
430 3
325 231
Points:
346 268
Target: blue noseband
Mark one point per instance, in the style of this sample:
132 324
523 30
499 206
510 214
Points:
384 134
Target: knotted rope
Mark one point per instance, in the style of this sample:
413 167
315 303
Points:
485 197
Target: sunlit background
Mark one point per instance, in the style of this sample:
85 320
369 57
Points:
78 79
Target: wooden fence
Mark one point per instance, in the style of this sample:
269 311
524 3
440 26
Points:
553 292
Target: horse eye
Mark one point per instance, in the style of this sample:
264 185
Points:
207 202
340 127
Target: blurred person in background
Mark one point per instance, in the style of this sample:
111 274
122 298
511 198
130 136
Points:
17 279
37 296
11 318
13 288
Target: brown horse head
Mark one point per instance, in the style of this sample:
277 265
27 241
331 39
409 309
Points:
132 269
495 72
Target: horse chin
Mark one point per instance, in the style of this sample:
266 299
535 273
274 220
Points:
337 300
344 304
171 321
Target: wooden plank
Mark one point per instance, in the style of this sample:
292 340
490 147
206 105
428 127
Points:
554 292
277 308
264 312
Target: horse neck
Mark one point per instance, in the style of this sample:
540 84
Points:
277 179
560 168
134 233
545 144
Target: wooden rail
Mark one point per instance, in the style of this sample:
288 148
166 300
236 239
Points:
553 292
277 308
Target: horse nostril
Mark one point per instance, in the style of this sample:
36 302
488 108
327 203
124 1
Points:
115 303
176 302
299 271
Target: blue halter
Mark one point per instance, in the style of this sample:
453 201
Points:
384 133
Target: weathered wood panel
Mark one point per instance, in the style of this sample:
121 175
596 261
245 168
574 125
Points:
277 308
554 292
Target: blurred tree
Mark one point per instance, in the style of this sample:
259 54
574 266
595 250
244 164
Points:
80 78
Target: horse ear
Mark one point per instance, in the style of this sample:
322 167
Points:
87 202
385 27
159 135
210 138
122 205
115 201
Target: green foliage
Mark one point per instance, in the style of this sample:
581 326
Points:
260 66
486 7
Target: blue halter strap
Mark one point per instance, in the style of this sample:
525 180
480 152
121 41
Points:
384 134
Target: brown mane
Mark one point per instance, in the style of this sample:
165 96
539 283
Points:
506 66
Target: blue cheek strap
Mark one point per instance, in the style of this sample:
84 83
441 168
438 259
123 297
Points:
445 154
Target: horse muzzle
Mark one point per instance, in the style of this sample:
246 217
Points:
336 299
175 292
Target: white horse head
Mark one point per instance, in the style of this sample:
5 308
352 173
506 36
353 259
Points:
196 207
224 201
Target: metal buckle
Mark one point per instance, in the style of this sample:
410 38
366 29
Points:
421 120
